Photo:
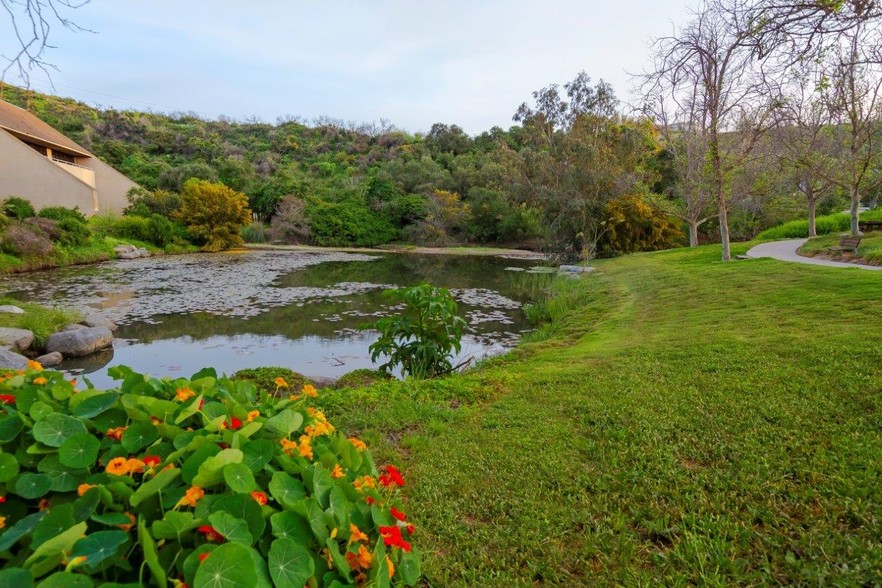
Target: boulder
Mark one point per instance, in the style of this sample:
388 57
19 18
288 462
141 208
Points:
12 360
131 255
19 339
97 320
119 249
11 309
50 359
576 269
143 252
79 342
74 327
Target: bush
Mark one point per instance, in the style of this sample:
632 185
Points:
289 223
45 226
361 378
635 225
214 214
202 481
264 378
347 223
145 203
18 208
256 232
60 213
73 232
423 339
156 229
24 241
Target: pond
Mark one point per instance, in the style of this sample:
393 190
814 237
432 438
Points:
301 310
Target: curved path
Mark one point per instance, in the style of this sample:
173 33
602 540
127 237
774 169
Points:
787 251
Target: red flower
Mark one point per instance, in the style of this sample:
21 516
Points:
260 497
235 423
410 529
7 398
391 477
398 514
392 538
210 533
203 556
369 500
2 499
151 461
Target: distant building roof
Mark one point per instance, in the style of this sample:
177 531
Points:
28 127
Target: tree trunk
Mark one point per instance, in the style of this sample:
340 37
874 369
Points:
693 233
724 231
855 202
812 205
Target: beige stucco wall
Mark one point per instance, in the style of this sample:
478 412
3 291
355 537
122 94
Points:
25 173
112 186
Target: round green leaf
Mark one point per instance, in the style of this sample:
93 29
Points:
10 427
112 519
409 568
244 507
239 478
291 525
33 485
95 405
58 520
257 454
99 546
284 423
233 529
79 451
16 577
289 563
8 467
230 566
39 410
54 429
286 489
67 580
138 436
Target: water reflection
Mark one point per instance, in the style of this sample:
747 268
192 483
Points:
301 310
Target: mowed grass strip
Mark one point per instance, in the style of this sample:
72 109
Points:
690 421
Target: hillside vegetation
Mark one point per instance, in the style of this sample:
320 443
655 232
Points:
686 421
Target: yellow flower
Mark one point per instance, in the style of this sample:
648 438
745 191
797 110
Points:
280 382
184 394
319 429
305 448
83 488
40 381
288 445
310 391
252 415
391 567
34 365
118 466
334 533
358 443
355 534
364 482
192 496
294 397
337 472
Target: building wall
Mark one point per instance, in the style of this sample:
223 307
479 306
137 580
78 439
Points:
25 173
112 186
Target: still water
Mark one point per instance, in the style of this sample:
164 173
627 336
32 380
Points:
301 310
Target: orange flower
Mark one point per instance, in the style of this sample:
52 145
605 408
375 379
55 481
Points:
355 534
40 381
155 420
288 445
115 433
184 394
192 496
337 471
305 448
358 443
2 522
43 504
34 365
118 466
280 382
294 397
364 482
260 497
83 488
127 526
309 390
252 415
318 429
136 466
360 560
391 567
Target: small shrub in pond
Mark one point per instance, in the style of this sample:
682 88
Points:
266 379
361 378
424 337
203 482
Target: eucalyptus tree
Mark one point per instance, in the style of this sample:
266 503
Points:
713 83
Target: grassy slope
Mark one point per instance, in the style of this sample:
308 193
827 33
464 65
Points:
870 249
690 421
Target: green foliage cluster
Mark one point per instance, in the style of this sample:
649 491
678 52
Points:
42 321
264 378
831 223
347 222
155 229
213 214
361 378
203 481
18 208
424 337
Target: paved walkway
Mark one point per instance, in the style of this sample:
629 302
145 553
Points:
786 251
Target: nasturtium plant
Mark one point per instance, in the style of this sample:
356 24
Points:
198 482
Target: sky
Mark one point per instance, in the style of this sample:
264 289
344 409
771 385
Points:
413 63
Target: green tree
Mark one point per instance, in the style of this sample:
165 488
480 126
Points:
213 214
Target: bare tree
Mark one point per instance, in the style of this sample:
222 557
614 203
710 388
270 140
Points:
713 79
31 22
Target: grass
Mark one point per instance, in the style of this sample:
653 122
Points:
41 320
684 421
825 225
869 251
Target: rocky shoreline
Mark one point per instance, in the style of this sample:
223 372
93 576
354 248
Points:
92 334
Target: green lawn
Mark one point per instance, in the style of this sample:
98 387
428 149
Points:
688 421
870 249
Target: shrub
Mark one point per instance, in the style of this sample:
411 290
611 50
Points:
423 339
60 213
45 226
264 378
214 214
635 225
18 208
347 223
361 378
202 481
25 241
146 203
256 232
289 223
73 232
